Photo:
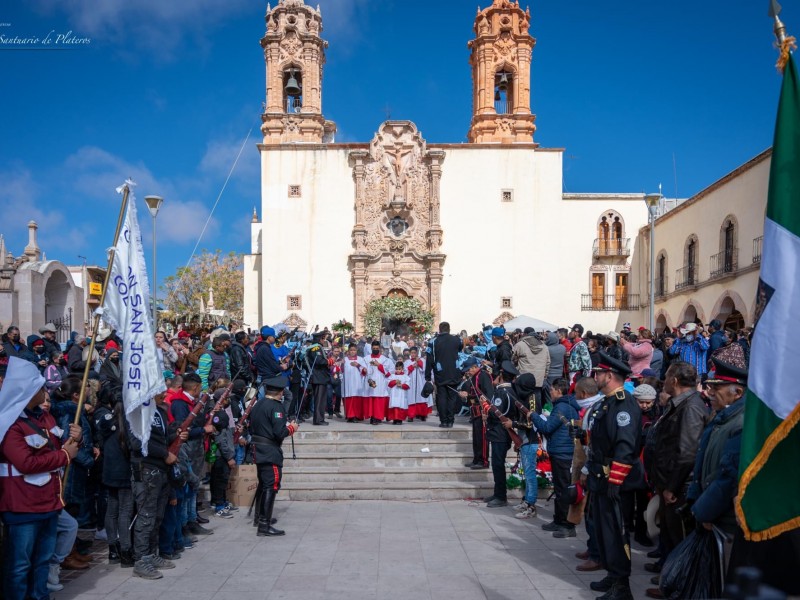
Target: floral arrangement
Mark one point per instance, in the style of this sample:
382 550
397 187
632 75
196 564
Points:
400 308
343 326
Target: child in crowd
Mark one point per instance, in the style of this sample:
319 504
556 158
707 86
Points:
398 394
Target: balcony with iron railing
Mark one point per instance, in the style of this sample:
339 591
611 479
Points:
724 264
686 277
612 247
757 243
610 302
662 286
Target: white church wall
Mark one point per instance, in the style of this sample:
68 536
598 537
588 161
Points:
312 231
536 249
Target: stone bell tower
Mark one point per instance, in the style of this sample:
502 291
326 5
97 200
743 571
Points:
295 54
501 75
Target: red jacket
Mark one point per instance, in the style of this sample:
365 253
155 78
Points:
19 457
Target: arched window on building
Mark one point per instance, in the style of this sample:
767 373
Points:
611 240
604 235
686 276
616 234
661 274
729 249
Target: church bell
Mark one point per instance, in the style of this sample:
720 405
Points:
292 87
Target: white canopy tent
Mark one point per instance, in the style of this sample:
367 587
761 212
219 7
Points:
523 321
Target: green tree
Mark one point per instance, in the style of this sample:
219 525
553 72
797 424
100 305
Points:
189 288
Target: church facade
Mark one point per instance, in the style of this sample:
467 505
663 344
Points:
399 215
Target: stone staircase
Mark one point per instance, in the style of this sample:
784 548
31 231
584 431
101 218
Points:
356 461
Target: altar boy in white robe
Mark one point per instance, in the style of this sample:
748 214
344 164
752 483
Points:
398 394
379 369
415 369
354 384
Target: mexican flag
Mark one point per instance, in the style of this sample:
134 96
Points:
768 503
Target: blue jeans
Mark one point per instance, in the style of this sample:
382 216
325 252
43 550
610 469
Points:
28 550
527 456
170 538
189 506
65 539
238 454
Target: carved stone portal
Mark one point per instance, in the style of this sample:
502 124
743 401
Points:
397 237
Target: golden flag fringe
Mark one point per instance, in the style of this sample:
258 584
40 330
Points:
785 46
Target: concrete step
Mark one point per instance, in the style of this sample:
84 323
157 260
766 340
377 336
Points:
420 491
378 475
368 447
384 431
393 459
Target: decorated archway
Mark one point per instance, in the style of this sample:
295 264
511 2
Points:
397 313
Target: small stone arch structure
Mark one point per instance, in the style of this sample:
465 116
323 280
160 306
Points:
46 292
728 306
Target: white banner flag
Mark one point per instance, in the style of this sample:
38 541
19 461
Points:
127 309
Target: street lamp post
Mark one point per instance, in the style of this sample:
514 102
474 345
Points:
153 205
652 201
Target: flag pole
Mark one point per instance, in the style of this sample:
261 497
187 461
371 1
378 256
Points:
96 322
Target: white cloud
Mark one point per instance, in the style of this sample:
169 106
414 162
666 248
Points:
163 28
160 27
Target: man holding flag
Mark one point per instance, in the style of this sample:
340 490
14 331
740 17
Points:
768 502
125 309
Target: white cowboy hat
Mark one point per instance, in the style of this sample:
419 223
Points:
689 328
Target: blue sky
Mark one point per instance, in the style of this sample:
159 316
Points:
166 92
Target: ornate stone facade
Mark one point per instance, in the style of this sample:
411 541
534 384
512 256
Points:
294 50
501 75
397 237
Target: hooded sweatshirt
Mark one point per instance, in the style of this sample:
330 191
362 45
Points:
530 355
557 352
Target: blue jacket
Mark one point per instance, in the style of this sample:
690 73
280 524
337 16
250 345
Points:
716 341
559 443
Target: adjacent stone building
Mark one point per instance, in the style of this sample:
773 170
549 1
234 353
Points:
708 251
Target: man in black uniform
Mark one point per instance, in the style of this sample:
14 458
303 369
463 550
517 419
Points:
503 400
320 377
268 429
477 383
614 471
443 355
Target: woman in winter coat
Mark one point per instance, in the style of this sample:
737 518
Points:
641 353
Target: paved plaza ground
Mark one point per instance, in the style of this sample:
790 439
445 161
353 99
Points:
360 550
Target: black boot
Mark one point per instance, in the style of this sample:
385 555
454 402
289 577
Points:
257 507
113 553
265 522
126 560
620 590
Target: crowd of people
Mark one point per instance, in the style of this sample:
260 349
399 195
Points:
625 419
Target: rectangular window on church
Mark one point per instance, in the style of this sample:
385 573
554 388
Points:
505 302
507 195
294 191
294 302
